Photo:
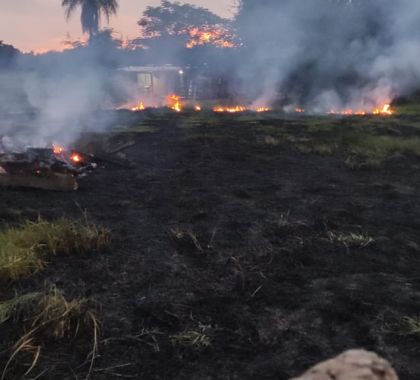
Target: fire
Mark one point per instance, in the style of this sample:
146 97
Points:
262 109
217 36
198 108
385 110
138 107
57 149
73 157
299 110
76 157
174 103
238 109
347 112
234 109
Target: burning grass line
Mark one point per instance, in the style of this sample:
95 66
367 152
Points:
23 249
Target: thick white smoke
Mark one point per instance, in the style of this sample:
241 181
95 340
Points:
330 54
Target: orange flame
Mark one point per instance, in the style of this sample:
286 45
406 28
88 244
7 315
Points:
237 109
76 157
138 107
262 109
174 103
233 109
382 111
197 108
57 149
385 110
217 36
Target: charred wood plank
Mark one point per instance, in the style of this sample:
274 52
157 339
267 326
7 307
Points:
54 182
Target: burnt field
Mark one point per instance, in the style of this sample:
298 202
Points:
243 247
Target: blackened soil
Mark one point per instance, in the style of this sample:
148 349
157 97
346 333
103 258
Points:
219 234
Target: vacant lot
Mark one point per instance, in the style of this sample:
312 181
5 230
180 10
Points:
243 247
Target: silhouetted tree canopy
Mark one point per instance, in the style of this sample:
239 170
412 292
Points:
91 12
8 55
174 19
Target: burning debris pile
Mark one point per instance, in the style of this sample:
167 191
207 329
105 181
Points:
52 168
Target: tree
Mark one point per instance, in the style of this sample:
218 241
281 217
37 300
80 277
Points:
8 55
173 18
91 12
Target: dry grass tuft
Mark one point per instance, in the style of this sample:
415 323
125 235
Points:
187 239
408 326
42 317
195 340
23 249
351 239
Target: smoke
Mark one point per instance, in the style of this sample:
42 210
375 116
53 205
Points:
321 55
330 54
51 98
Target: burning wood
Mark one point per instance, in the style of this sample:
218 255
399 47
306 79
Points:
44 168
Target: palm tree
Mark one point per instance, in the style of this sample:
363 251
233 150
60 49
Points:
91 12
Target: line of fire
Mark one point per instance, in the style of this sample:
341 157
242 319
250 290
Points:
222 193
213 73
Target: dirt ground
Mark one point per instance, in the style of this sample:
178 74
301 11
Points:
222 264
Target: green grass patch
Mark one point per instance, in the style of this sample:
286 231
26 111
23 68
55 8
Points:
137 129
23 249
408 109
379 146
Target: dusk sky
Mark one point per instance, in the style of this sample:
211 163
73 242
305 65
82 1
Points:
40 25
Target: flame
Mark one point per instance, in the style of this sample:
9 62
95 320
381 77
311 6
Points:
262 109
385 110
237 109
233 109
197 108
57 149
347 112
76 157
299 110
64 154
138 107
174 103
217 36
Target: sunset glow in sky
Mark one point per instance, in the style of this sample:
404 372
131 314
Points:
40 25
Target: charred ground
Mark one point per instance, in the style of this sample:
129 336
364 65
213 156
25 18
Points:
244 247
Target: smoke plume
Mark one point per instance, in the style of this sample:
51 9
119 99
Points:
330 54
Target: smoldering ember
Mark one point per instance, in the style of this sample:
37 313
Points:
212 193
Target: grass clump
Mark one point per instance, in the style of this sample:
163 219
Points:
23 249
380 146
42 317
351 239
408 109
407 326
195 340
138 129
